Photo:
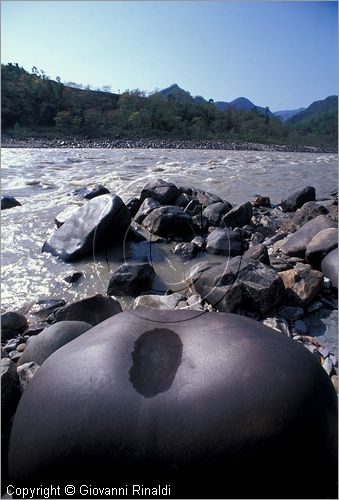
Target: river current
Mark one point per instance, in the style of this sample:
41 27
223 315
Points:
41 179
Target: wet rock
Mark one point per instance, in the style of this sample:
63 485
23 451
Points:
224 242
307 212
297 200
162 191
44 308
302 284
158 301
291 313
238 216
73 278
40 347
25 373
169 222
247 284
61 218
299 327
133 206
92 310
258 252
261 201
199 242
296 245
323 325
320 245
145 208
89 193
328 366
131 280
186 250
329 266
193 208
9 202
215 212
12 323
99 223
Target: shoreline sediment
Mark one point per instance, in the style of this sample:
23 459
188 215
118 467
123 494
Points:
60 143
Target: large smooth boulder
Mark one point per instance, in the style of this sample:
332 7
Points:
320 245
238 216
243 283
296 200
169 222
92 310
99 223
9 202
162 191
224 242
131 280
40 347
296 245
329 266
179 398
215 211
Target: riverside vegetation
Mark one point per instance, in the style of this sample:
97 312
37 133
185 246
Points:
33 105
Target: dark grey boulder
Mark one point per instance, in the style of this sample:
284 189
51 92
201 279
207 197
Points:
133 206
9 202
224 242
184 199
186 250
320 245
13 320
307 212
261 201
145 208
92 310
40 347
215 211
206 198
329 266
44 308
296 245
258 252
162 191
168 222
247 284
238 216
92 192
99 223
131 280
296 200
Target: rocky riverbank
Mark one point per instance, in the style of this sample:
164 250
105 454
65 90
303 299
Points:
275 264
33 142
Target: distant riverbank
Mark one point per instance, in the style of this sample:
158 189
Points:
33 142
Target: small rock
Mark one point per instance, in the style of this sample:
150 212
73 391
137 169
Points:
131 280
21 347
300 327
158 301
238 216
261 201
302 284
73 278
145 209
162 191
258 252
291 313
186 250
182 305
11 345
224 242
25 373
199 242
9 202
15 355
12 320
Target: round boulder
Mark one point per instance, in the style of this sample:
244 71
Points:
181 398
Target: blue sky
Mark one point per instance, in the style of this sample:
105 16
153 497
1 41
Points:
280 54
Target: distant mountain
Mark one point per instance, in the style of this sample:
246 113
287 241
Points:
241 103
286 115
175 91
328 106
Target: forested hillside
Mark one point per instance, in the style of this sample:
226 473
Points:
35 105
